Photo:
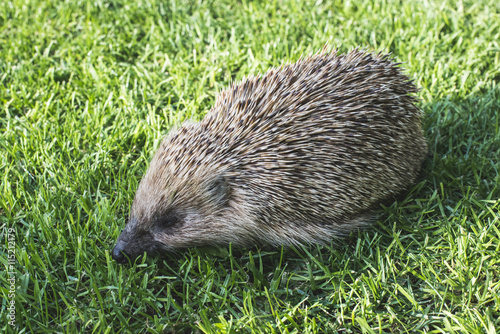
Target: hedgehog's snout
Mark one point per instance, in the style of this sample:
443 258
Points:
119 254
130 244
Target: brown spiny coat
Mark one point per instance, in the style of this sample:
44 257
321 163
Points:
302 154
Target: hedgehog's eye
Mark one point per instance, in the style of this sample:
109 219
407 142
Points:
168 220
219 190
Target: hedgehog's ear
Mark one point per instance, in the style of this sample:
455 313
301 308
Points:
219 190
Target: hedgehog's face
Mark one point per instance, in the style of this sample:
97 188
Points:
188 211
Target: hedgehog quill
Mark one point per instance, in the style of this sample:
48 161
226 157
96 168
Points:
302 154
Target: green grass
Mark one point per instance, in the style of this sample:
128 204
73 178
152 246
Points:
87 90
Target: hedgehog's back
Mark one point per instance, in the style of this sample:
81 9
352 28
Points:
324 140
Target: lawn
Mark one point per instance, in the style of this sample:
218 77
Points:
88 89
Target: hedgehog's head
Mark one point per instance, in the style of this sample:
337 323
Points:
184 200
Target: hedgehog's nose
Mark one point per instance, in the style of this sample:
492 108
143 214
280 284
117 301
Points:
118 253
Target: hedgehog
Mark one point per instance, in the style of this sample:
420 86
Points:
303 154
